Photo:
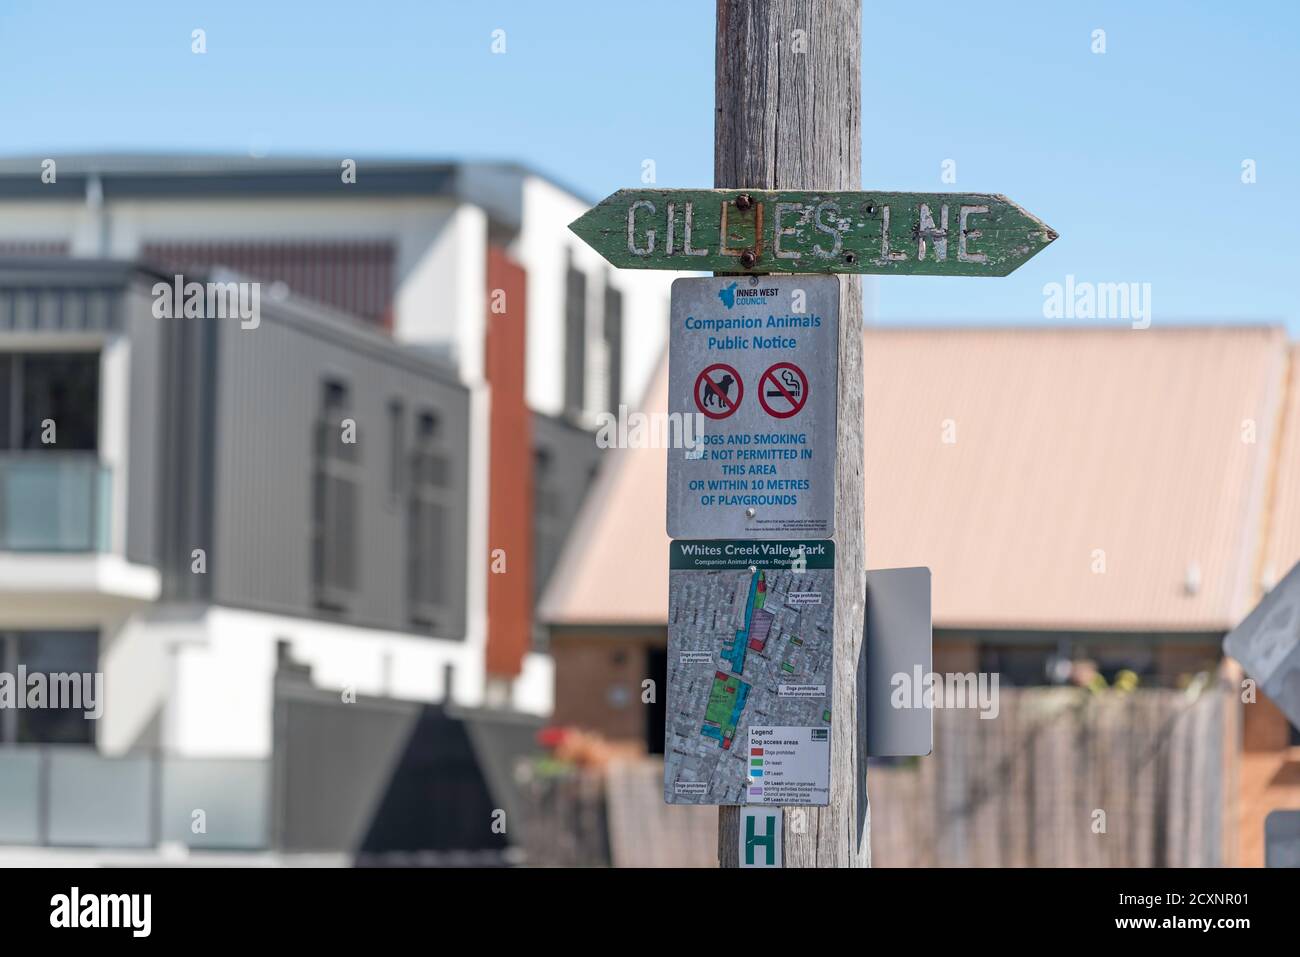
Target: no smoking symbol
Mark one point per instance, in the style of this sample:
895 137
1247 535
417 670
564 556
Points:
718 391
783 390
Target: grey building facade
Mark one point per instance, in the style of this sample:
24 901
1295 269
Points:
309 466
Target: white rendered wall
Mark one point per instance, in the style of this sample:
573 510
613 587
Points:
442 302
199 680
543 247
46 221
220 699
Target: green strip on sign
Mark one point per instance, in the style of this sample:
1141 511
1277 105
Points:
794 231
727 554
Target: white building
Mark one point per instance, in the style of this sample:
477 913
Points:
194 514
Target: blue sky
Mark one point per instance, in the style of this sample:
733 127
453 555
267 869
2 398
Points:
1134 156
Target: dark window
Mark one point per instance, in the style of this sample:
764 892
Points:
614 346
1020 666
396 449
62 387
335 396
546 513
334 501
1069 661
62 659
7 407
656 715
544 497
431 499
575 341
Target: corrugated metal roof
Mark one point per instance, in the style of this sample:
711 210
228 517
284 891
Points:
1071 445
1284 527
168 174
182 164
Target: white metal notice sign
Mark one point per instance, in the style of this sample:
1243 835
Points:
754 359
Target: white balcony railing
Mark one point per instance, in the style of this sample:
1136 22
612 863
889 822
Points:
72 796
54 502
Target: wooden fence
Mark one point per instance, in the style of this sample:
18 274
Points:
1064 778
566 820
1060 778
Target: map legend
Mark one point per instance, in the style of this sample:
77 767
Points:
794 766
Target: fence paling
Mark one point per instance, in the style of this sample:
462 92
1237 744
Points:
1025 788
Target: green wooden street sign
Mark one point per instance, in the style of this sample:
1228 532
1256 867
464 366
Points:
799 231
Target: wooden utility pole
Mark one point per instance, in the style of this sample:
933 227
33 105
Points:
788 115
788 140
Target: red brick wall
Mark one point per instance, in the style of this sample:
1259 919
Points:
510 477
1264 726
598 681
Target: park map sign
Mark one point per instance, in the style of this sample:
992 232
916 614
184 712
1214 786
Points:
800 231
750 663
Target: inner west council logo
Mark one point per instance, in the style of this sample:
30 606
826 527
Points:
748 297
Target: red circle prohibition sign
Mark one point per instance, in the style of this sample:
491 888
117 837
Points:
783 383
713 392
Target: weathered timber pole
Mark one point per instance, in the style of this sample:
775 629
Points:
788 98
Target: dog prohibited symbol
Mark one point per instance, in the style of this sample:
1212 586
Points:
718 391
783 390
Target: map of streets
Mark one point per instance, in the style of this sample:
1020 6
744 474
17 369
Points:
750 636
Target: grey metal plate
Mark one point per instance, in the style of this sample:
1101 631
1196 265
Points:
899 640
1267 643
1282 839
754 361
